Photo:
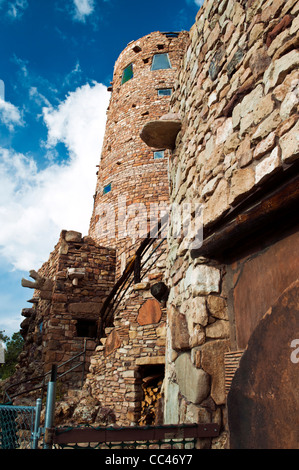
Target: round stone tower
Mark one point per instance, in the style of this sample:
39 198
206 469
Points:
132 177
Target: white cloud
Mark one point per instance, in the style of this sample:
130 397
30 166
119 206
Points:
199 3
83 8
35 205
16 8
9 114
38 97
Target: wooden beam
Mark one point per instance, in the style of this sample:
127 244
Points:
276 211
129 433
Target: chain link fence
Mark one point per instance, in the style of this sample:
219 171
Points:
17 426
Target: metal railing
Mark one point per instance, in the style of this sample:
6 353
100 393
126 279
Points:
136 269
44 378
182 436
20 426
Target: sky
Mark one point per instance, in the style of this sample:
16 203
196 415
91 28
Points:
56 62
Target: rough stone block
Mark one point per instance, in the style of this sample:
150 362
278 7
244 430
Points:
204 280
219 329
84 307
217 307
149 313
289 144
72 236
267 166
278 69
241 183
217 204
212 360
264 146
194 383
179 330
267 125
290 103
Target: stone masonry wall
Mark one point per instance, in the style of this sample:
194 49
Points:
237 96
50 329
134 343
138 181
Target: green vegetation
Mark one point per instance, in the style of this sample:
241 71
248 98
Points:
13 347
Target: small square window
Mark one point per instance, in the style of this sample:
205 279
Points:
165 92
127 74
86 328
161 61
107 188
159 154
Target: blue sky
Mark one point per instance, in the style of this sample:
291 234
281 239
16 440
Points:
56 62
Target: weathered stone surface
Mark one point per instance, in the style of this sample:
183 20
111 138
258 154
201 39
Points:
84 307
290 103
289 84
212 361
197 312
278 69
72 236
264 108
249 103
244 152
204 280
112 343
150 312
241 183
219 329
217 307
267 125
289 144
216 63
217 204
194 383
267 166
179 331
264 146
171 407
233 64
281 26
259 62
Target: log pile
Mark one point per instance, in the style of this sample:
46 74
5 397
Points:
152 397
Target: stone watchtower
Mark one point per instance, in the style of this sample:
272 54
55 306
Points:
73 285
132 177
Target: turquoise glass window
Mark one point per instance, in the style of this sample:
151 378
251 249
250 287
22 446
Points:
161 61
159 154
165 92
127 74
107 188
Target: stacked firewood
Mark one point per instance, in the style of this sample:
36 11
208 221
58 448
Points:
151 400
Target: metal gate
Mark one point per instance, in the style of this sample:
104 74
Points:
19 426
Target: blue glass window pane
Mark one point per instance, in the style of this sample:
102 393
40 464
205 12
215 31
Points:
127 74
107 189
161 61
159 154
165 92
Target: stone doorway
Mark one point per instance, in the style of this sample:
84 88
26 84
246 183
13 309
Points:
151 412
